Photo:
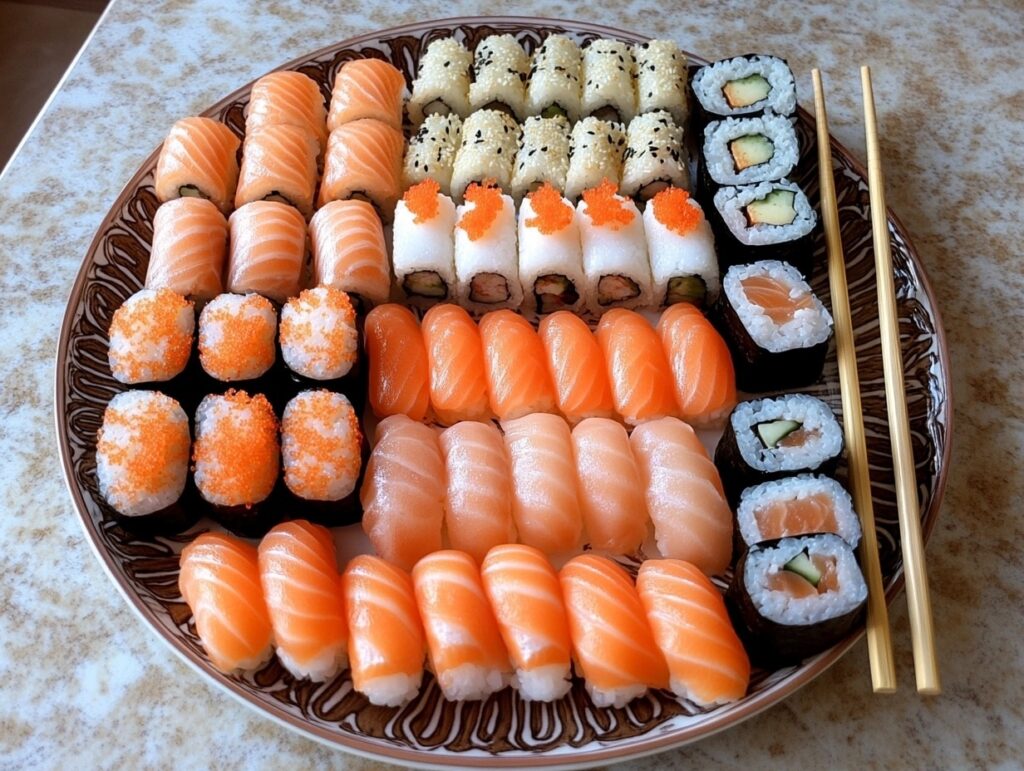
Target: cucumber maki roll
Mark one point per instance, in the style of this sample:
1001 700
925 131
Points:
555 79
744 85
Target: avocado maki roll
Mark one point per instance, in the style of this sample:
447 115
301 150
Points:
743 151
744 85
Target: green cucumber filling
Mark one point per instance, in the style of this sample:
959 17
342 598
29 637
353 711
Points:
776 208
554 292
746 91
553 111
751 150
616 289
686 289
436 107
608 113
191 191
802 565
488 288
425 283
774 431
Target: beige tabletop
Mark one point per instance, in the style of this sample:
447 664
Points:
83 683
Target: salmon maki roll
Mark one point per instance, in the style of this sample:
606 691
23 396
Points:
516 367
199 159
455 359
612 643
386 642
403 491
399 375
367 88
190 247
545 503
702 371
287 98
611 493
706 660
364 160
299 574
279 164
268 249
349 252
479 499
526 598
466 651
638 371
577 368
692 520
220 582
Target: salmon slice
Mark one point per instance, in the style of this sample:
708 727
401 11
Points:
190 245
199 158
706 660
479 501
288 98
279 164
367 88
545 502
576 366
465 647
268 249
612 644
349 252
386 642
220 581
638 372
299 574
796 516
526 598
702 372
692 520
399 380
516 367
611 494
798 587
779 300
403 491
364 160
455 357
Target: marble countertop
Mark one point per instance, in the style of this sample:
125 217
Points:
84 683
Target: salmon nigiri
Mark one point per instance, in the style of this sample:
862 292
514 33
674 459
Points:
455 357
526 598
349 252
386 643
517 373
702 370
220 581
577 368
545 501
290 98
367 88
638 371
692 520
479 501
706 660
198 159
399 381
190 244
299 574
364 159
279 164
403 491
268 249
466 650
611 640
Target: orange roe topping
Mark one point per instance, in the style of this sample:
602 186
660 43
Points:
152 463
552 213
319 460
672 209
246 346
157 348
327 344
422 200
604 207
488 204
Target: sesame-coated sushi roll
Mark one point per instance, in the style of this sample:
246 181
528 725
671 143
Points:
595 154
431 152
556 79
399 377
237 338
287 98
745 85
608 89
279 164
320 341
142 458
661 79
654 157
486 257
455 357
681 245
364 160
350 253
268 250
550 253
151 337
424 245
490 140
198 159
190 248
366 88
500 69
442 82
543 155
745 151
236 459
516 366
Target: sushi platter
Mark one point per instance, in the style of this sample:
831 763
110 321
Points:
465 394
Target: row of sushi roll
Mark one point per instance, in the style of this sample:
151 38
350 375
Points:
510 619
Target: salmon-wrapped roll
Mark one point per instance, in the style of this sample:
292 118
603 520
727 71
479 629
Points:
364 160
279 164
199 159
349 252
190 244
287 98
367 88
268 249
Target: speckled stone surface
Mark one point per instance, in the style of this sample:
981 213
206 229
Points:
84 684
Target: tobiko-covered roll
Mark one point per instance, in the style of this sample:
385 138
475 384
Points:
431 152
661 79
595 154
550 253
655 158
486 257
681 246
151 337
350 253
442 83
500 70
320 339
487 151
543 155
190 247
237 336
268 250
555 79
279 164
424 245
608 90
198 159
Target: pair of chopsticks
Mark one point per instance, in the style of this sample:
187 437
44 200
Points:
883 672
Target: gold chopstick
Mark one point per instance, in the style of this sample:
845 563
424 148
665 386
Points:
883 668
908 506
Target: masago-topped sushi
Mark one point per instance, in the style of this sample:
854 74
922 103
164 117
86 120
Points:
151 337
237 337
